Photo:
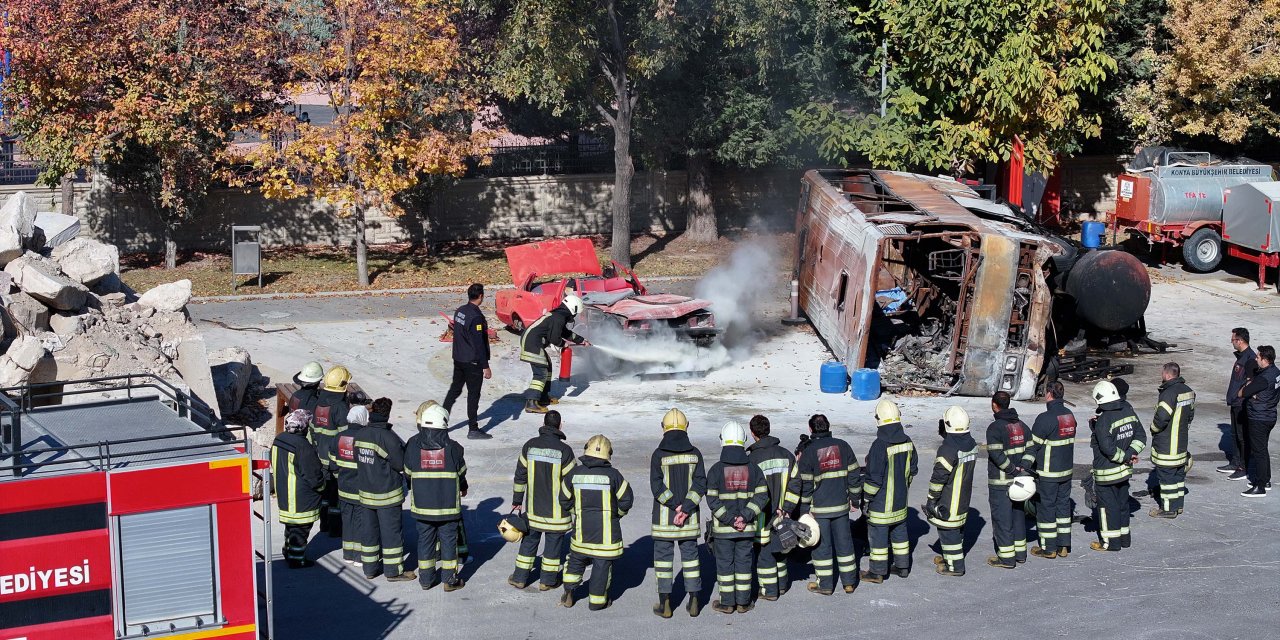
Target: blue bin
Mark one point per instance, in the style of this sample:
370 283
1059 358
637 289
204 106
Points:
834 377
1092 233
866 384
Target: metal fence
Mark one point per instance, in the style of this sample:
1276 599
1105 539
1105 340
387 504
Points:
544 159
16 167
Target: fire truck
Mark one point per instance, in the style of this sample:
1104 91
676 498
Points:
124 515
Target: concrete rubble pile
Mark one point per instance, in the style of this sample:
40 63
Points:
69 316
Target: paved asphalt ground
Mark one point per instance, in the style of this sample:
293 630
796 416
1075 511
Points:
1212 573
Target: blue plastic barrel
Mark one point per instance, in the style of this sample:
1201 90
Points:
866 384
1091 234
834 377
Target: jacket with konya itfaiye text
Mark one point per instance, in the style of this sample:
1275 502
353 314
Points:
544 462
1172 423
598 497
891 464
379 465
437 473
1117 437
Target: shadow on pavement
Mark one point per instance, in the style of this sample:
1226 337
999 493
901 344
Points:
341 588
632 568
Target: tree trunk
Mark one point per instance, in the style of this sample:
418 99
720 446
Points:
68 195
702 210
170 248
624 171
362 248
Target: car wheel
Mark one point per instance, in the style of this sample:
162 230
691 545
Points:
1203 251
517 325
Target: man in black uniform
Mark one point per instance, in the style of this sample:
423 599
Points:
678 481
737 496
551 330
342 467
470 358
298 481
330 417
1051 458
1170 429
379 465
1261 395
1006 441
950 489
829 483
1117 439
1245 364
308 393
598 496
437 474
779 468
891 464
544 463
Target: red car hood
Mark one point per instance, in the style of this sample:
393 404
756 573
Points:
552 258
662 306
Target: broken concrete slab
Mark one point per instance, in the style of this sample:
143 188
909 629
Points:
232 368
17 224
192 364
66 324
16 364
87 261
42 281
28 312
58 229
167 297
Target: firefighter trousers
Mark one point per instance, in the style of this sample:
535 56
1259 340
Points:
1173 487
382 545
664 561
951 541
1112 514
353 514
1008 524
330 509
552 552
734 557
601 575
835 553
540 384
883 537
1053 513
771 569
437 552
295 542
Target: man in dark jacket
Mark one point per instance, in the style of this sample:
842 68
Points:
1170 429
1117 439
437 474
330 417
1051 458
544 463
951 488
298 482
829 484
1245 364
308 393
737 496
678 480
599 497
1261 395
779 468
1007 438
470 358
379 465
551 330
891 464
342 467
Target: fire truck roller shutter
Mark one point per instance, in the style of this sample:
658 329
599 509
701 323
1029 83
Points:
166 570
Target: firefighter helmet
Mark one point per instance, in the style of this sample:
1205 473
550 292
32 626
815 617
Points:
599 447
887 412
1022 488
955 420
512 527
1105 392
733 435
573 303
337 379
431 415
675 419
311 372
809 534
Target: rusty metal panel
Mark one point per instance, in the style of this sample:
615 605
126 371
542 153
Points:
984 357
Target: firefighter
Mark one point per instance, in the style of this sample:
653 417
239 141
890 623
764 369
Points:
1051 458
1117 439
342 467
550 330
470 358
379 465
891 465
330 417
298 483
779 468
829 484
1170 429
679 480
950 488
544 463
437 474
308 393
1006 443
598 496
736 495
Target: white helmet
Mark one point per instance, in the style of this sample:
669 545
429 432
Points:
887 412
1022 488
733 435
956 420
432 416
811 524
573 303
1105 392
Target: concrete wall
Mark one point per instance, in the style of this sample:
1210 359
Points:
1090 182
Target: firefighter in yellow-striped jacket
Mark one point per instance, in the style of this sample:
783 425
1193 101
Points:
544 462
779 468
736 496
437 473
891 464
950 488
1169 433
298 482
679 481
598 496
379 465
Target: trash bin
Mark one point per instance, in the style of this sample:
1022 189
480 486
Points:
246 253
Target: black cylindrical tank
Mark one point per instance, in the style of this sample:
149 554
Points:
1111 288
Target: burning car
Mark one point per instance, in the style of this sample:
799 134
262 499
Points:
613 297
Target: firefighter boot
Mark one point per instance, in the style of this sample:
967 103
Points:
598 607
694 607
1041 553
873 578
567 600
743 608
403 576
549 400
1102 546
532 406
1064 552
816 588
848 588
722 607
1002 563
939 561
902 572
519 585
454 585
663 608
1161 513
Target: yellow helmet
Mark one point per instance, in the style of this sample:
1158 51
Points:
512 527
599 447
336 379
675 419
887 412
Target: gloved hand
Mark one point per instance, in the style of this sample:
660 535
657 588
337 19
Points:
931 508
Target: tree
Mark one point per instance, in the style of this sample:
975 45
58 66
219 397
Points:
1216 76
393 72
149 90
561 53
964 78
